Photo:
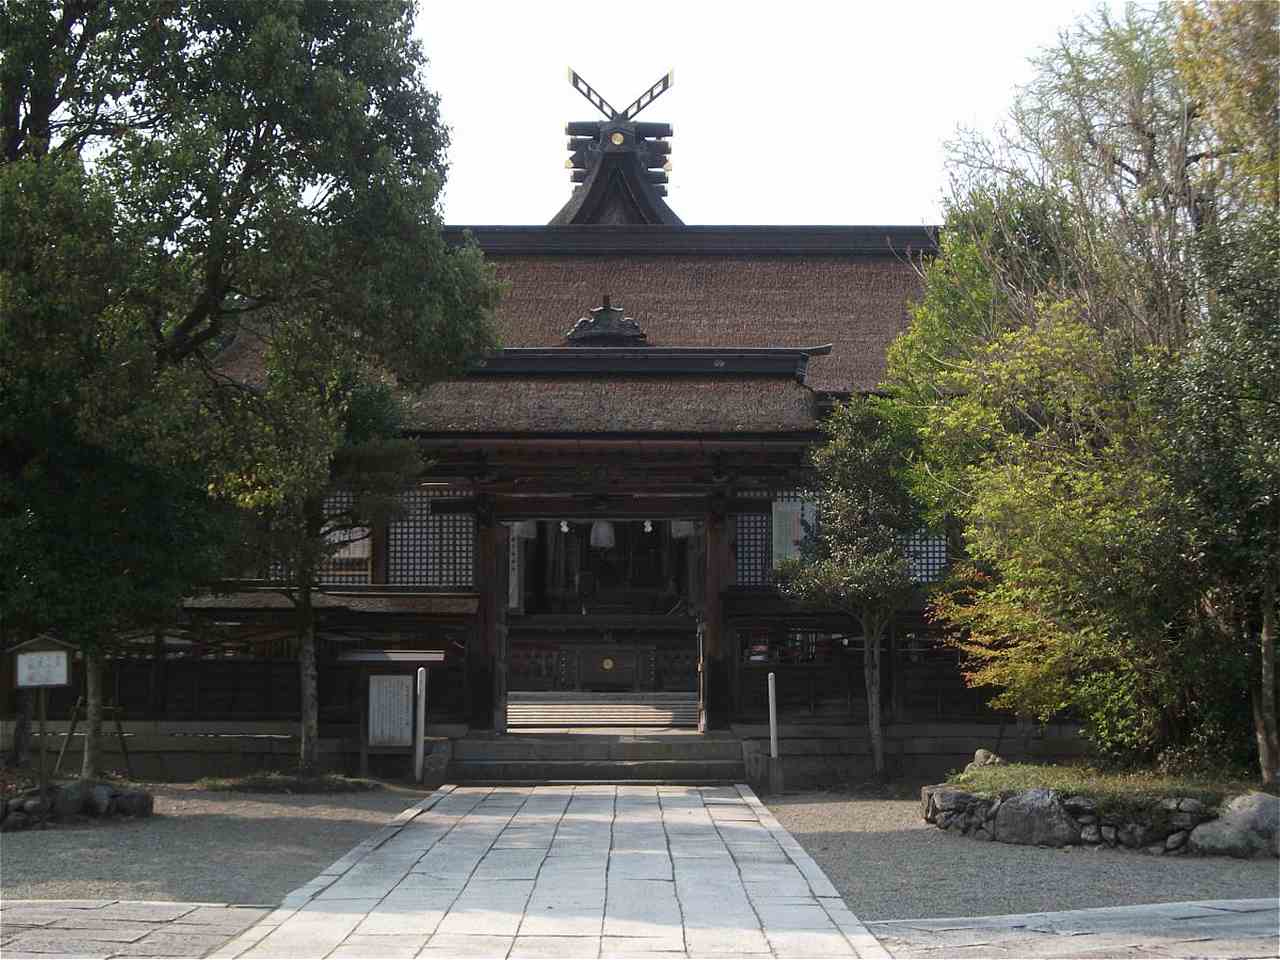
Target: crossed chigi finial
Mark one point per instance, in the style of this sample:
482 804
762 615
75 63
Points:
629 113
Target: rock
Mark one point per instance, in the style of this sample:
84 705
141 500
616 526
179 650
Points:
1172 804
950 801
134 803
1035 818
1175 840
982 833
69 799
4 808
35 806
16 820
100 801
1080 806
1091 834
1248 826
983 758
1132 835
1108 834
987 758
994 808
1191 805
1156 849
1086 818
927 807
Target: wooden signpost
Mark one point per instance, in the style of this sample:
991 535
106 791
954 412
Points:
40 664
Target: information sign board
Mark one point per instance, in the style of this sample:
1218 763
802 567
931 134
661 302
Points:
43 668
391 710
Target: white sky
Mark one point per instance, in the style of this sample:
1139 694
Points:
784 112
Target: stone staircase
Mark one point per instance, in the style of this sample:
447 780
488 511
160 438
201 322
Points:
572 709
602 754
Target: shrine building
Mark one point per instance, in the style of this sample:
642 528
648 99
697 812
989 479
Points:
608 494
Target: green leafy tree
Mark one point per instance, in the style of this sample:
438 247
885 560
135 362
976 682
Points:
245 162
856 563
317 457
104 524
1075 593
1075 274
1222 419
281 155
1228 54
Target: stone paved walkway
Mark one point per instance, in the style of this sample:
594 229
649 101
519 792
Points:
111 928
562 871
1206 928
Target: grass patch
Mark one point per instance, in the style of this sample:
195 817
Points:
1113 792
276 782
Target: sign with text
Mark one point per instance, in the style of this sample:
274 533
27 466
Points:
44 668
391 710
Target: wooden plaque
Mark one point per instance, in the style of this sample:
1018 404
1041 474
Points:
43 668
391 710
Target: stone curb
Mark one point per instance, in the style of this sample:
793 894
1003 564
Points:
860 938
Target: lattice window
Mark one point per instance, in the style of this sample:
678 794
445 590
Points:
351 564
927 556
755 548
432 550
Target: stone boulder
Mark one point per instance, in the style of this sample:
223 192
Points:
940 804
70 799
983 758
1035 818
101 800
1248 826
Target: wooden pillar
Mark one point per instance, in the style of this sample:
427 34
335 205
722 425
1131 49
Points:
480 654
715 645
489 677
714 582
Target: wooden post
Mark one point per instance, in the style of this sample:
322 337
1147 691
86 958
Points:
364 722
118 711
713 582
44 772
71 732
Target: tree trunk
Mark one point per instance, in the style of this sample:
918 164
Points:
22 728
872 632
1264 698
309 751
91 764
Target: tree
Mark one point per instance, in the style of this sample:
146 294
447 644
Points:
317 457
1221 414
1075 591
101 528
1229 56
283 155
254 161
856 562
1108 127
1075 276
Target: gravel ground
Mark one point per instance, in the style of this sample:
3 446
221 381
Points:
890 865
199 846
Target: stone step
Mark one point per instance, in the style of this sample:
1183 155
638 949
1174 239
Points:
553 747
574 709
580 771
